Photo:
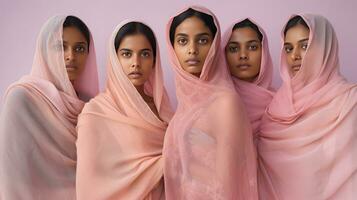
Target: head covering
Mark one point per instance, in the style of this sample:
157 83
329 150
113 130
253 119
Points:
308 141
120 139
37 124
208 149
258 94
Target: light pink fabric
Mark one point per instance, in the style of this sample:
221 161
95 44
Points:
120 139
258 94
208 149
37 124
308 141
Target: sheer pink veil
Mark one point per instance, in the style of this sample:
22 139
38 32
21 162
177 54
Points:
258 94
307 145
120 139
208 148
37 124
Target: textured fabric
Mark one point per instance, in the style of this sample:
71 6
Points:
37 124
208 149
120 139
308 141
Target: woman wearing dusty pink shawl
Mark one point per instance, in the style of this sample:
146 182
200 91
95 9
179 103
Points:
208 149
120 138
308 140
257 93
38 120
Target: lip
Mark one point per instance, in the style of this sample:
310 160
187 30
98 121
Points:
296 67
135 75
244 66
192 62
71 67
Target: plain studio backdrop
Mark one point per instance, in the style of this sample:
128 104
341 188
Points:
21 21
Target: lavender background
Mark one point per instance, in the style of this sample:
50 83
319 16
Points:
21 20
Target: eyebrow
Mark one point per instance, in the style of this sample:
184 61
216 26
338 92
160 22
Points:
125 49
84 43
185 35
250 41
302 40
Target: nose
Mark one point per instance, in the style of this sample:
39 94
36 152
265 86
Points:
135 61
193 50
69 54
243 55
296 54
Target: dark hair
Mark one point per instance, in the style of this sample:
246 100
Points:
133 28
250 24
207 19
73 21
295 21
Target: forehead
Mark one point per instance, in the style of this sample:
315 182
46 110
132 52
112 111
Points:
192 26
72 34
296 33
244 34
135 42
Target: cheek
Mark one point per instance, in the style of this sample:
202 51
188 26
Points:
179 51
231 59
125 65
205 50
82 60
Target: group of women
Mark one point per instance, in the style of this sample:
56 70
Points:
232 135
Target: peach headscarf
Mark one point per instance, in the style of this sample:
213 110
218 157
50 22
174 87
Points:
208 149
308 141
37 124
258 94
120 139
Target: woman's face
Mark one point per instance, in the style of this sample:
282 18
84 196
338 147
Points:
192 43
295 46
244 53
137 58
75 47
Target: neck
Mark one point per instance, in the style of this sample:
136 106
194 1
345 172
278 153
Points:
140 89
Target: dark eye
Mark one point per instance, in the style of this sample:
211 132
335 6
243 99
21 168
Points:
80 49
126 54
203 41
146 54
304 46
233 49
253 47
288 49
182 41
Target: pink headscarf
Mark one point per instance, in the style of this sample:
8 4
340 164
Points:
308 141
258 94
208 149
120 139
37 124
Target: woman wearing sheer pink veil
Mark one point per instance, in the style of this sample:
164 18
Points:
308 141
121 131
208 149
248 58
39 116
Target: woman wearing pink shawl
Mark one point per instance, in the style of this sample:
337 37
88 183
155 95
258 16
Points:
121 131
37 124
308 140
249 61
208 149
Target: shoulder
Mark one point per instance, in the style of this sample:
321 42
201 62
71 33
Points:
18 95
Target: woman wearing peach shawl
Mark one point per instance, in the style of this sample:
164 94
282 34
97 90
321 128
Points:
258 93
120 138
308 141
208 149
38 120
